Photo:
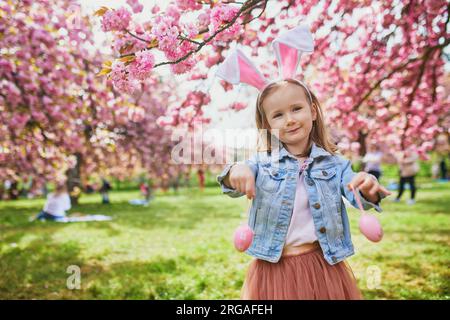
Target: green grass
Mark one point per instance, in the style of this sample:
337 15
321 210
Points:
180 247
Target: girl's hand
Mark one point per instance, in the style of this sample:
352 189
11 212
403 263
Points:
242 179
368 185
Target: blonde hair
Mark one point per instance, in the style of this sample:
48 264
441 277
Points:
319 133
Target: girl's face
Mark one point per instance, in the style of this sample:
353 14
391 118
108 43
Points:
289 114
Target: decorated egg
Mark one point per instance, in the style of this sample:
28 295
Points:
243 237
370 227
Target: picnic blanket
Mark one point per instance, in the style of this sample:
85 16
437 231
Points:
77 218
91 217
138 202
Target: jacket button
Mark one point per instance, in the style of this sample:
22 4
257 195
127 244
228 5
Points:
316 205
322 230
334 258
324 173
310 182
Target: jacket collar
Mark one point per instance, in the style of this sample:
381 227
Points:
316 152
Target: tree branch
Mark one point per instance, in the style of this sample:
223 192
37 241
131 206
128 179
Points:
136 37
187 39
259 15
399 68
411 98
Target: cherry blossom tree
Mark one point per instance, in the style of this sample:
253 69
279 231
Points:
57 118
378 66
37 90
378 69
144 140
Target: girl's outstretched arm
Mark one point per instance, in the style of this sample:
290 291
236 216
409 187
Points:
223 177
348 176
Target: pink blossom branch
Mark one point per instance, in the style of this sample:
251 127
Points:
248 6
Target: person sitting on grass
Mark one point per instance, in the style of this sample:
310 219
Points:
58 202
146 192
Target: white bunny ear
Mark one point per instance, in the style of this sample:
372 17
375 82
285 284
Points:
288 48
238 68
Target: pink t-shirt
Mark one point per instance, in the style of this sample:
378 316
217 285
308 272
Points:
301 229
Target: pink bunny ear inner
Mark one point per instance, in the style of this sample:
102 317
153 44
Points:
237 68
289 60
288 48
249 74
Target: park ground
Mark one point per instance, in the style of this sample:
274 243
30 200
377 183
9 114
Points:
180 247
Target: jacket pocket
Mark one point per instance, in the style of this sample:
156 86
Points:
327 181
271 179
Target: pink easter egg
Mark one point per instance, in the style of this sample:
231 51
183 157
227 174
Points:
243 237
371 227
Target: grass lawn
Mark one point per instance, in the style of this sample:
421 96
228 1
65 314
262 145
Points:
180 247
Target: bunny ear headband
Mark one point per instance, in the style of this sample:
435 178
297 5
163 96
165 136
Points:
288 47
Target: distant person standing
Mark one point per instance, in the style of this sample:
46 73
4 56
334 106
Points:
104 190
6 187
176 182
408 168
372 161
443 166
11 189
201 178
442 152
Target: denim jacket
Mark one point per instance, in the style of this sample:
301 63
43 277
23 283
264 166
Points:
326 179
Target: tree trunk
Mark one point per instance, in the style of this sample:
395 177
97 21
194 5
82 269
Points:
362 147
74 180
14 191
362 142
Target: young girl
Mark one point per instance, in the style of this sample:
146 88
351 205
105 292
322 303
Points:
299 219
300 224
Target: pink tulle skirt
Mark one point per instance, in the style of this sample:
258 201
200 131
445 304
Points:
306 276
